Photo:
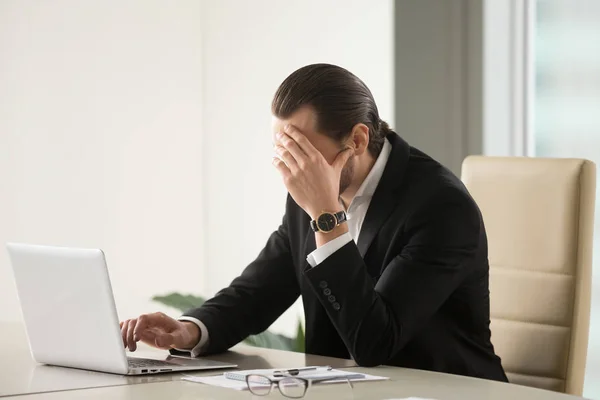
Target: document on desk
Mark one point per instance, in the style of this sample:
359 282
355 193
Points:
337 376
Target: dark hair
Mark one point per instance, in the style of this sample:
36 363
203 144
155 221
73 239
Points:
339 99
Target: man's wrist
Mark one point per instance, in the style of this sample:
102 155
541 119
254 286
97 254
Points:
322 238
193 334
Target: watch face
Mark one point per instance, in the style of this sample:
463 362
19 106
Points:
326 222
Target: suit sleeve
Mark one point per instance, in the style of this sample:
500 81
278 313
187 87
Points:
378 320
255 299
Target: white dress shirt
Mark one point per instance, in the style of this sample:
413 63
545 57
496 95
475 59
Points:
356 212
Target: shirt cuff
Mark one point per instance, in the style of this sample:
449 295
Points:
320 254
197 350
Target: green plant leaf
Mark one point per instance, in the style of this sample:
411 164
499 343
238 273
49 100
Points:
299 340
180 301
270 340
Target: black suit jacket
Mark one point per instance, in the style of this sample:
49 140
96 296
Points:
413 292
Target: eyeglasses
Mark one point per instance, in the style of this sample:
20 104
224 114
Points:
289 386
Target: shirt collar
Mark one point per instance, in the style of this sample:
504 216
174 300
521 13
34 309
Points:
367 188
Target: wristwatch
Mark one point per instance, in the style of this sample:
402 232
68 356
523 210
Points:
326 222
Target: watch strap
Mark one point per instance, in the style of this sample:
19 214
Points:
341 216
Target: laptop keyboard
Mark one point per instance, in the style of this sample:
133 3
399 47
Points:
135 362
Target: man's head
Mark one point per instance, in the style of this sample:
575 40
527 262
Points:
334 110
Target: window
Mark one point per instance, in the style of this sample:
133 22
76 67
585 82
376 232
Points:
565 112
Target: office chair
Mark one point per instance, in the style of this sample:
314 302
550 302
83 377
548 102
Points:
539 217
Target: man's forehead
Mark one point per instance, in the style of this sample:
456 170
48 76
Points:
304 119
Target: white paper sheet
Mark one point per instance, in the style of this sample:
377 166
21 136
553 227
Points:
221 381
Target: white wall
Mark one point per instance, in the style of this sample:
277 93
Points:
143 127
249 48
100 139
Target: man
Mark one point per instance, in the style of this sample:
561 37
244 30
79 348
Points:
385 245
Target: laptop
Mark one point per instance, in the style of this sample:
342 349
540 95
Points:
70 314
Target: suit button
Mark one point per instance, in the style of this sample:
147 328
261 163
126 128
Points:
336 306
331 299
327 292
323 284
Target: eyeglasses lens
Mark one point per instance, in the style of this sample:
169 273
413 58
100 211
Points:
292 387
259 385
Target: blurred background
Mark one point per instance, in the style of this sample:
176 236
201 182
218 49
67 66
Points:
143 126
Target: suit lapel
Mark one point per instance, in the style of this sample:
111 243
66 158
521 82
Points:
378 212
385 197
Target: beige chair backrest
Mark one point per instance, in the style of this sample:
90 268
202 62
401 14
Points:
539 217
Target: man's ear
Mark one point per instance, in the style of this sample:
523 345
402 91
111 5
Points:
359 139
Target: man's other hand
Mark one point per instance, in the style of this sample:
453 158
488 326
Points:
159 330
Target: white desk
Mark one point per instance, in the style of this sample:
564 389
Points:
19 375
